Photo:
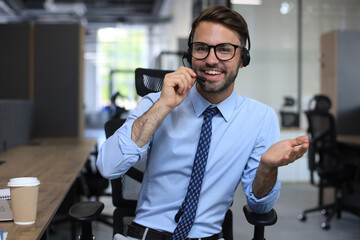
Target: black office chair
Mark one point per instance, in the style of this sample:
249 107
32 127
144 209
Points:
147 81
86 212
89 183
328 160
115 110
124 203
96 185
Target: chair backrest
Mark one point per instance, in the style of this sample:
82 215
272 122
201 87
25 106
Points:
320 103
125 189
120 198
322 133
149 80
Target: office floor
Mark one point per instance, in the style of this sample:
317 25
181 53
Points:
294 198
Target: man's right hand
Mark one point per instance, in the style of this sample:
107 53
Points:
176 87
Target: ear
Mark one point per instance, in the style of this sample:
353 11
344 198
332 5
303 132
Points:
241 63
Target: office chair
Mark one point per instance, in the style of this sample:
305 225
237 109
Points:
115 110
95 185
89 183
124 207
328 160
124 203
149 81
86 212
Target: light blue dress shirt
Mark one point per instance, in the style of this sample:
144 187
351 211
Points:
242 132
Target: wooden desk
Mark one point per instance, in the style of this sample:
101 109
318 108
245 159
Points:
56 163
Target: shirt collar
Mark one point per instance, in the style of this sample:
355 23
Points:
226 107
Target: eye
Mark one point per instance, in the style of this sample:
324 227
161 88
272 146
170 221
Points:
200 48
224 48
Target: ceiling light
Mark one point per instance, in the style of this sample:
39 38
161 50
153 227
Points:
285 8
247 2
78 8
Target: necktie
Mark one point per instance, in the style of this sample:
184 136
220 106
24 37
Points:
187 211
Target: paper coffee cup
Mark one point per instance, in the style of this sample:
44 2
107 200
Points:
24 198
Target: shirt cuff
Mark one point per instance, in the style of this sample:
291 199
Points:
265 204
127 145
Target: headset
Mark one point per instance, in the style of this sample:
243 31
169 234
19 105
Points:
245 52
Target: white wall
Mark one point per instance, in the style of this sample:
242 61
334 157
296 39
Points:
272 73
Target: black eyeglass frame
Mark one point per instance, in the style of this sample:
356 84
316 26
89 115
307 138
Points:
214 46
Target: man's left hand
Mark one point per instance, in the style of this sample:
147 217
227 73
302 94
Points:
284 152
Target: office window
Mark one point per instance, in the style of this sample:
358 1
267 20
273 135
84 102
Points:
120 51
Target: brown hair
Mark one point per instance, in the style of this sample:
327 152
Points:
223 15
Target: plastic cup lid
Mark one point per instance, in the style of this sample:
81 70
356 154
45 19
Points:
23 182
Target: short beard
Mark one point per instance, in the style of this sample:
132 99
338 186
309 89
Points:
224 85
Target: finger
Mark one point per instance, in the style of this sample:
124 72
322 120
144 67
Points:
179 80
302 140
299 141
191 73
187 80
302 151
181 85
299 152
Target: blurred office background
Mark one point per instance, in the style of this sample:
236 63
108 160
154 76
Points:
70 57
66 58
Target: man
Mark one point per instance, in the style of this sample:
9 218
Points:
167 126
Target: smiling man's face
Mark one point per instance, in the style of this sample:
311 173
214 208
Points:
220 75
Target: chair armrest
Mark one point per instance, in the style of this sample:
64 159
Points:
265 219
86 211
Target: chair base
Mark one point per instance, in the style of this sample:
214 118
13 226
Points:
329 210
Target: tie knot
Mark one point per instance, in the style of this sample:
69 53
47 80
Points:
210 112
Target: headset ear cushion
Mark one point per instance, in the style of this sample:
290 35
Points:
245 57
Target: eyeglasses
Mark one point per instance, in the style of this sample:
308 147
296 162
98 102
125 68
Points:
223 51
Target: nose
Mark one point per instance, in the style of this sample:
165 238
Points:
211 58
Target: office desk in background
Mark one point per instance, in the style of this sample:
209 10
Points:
353 140
353 143
56 162
353 198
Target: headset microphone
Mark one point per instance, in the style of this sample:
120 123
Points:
202 79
